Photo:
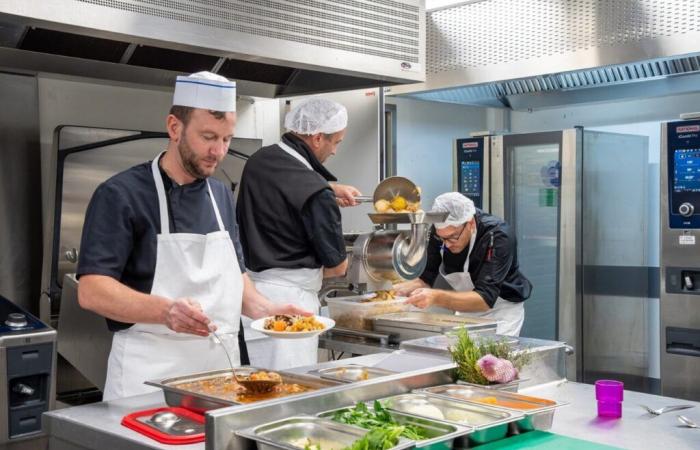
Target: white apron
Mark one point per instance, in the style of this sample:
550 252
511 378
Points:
509 314
297 286
202 267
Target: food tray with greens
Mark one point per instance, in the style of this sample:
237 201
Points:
488 424
314 433
429 434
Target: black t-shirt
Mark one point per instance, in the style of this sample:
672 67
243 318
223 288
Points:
495 275
288 215
122 223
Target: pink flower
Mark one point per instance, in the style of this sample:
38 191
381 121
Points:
497 370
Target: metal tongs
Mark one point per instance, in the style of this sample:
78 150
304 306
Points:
254 386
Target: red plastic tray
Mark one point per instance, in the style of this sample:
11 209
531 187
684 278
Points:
130 421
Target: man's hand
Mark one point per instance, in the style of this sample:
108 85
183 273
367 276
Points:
423 297
345 194
407 287
185 316
289 309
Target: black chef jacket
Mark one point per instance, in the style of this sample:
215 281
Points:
493 264
123 220
287 214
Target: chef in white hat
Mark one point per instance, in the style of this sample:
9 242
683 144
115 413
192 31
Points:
160 257
477 255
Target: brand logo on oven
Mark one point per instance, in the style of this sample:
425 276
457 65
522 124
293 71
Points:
470 144
688 129
406 65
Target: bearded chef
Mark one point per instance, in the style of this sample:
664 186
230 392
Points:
160 256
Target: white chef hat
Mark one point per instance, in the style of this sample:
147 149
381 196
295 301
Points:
461 209
317 115
205 90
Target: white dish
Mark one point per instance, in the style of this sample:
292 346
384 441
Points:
258 325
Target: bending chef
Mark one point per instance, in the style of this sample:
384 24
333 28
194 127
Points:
477 255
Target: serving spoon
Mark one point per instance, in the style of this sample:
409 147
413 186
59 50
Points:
253 386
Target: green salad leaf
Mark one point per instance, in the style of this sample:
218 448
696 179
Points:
377 417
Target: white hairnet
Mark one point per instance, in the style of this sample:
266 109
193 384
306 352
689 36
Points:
317 115
461 209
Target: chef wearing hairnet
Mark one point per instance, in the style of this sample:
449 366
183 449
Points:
290 222
477 255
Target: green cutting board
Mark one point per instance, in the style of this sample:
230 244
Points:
541 440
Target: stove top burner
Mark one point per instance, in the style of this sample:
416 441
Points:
14 319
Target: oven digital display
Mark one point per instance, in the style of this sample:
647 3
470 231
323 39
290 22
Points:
686 173
471 178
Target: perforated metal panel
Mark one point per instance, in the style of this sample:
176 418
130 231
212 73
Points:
383 28
495 32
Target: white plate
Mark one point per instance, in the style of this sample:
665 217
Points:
258 325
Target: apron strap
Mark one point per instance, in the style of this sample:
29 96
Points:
162 201
216 208
295 154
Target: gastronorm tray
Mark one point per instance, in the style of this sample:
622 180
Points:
291 434
184 391
488 424
441 435
440 344
356 313
539 412
417 324
351 373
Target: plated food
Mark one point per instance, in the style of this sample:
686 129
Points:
292 323
292 327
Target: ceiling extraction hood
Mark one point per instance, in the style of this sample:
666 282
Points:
273 48
667 76
529 54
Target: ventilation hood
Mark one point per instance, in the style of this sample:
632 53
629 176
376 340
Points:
668 76
524 54
273 48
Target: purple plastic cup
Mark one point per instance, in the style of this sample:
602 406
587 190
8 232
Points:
609 390
609 409
609 394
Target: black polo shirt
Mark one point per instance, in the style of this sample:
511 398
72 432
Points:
122 223
493 263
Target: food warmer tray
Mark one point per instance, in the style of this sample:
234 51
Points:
415 324
199 402
283 433
539 412
352 373
440 435
488 424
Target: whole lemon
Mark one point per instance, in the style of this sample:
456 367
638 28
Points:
398 203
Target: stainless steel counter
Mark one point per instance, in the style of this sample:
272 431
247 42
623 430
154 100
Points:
97 426
635 430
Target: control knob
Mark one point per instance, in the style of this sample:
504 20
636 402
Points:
686 209
16 320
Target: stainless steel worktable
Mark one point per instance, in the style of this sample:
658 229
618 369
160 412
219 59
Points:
635 430
97 426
